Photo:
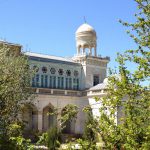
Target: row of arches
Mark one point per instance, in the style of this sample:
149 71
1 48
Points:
30 119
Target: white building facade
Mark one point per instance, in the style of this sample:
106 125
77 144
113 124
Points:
61 81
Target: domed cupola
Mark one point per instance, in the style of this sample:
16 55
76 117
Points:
86 38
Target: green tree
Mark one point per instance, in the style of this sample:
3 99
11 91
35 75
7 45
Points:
14 89
128 94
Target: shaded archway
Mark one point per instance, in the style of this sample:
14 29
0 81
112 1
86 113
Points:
49 119
30 117
69 125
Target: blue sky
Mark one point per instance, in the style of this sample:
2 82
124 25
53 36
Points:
48 26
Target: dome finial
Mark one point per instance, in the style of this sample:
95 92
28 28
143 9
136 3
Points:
85 20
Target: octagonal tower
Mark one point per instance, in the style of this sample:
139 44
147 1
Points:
86 39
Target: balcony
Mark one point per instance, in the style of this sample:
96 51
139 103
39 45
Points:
59 92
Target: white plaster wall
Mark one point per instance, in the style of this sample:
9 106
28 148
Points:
92 70
42 100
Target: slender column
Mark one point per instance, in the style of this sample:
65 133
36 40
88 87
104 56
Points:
90 51
40 121
78 50
56 81
95 52
83 50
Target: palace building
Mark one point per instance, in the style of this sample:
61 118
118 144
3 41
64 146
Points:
60 81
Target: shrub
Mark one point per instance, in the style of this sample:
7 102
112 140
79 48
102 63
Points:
51 139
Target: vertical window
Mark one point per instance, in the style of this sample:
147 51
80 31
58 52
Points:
60 82
70 83
46 80
52 83
95 80
37 80
42 80
75 84
67 86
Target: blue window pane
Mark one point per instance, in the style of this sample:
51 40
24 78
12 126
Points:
42 81
58 83
67 83
62 82
46 81
70 83
54 82
37 80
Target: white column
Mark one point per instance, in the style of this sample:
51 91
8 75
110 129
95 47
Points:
40 121
78 50
90 51
83 50
95 52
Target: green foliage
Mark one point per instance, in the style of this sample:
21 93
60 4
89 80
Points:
14 89
51 139
90 126
21 143
68 114
125 93
83 145
43 139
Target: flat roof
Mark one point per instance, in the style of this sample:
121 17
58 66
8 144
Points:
50 58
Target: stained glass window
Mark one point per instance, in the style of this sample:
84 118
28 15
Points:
52 70
60 71
68 72
44 69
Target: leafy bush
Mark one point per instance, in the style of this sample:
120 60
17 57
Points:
51 139
21 143
90 126
82 145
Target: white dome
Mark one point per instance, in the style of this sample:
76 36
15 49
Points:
84 28
86 40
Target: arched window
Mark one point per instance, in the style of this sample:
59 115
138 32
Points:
69 126
30 117
49 119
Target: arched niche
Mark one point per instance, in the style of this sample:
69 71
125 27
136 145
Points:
69 124
49 120
30 117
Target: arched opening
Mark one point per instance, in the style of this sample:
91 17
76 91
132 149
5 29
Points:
69 125
49 119
30 117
